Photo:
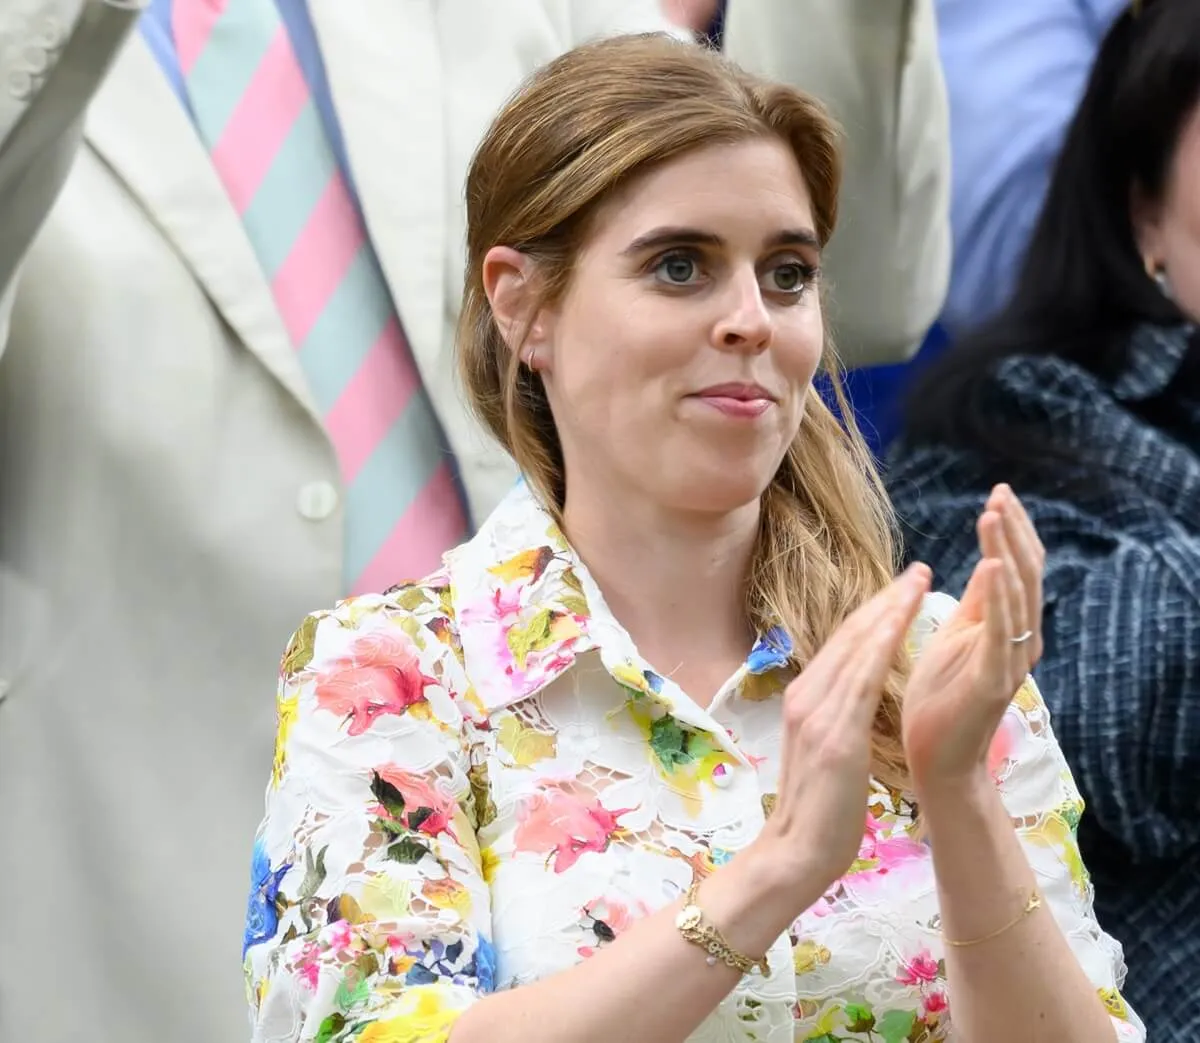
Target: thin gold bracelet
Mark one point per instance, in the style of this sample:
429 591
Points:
1034 904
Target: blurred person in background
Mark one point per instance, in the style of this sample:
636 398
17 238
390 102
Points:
889 265
1015 71
1084 394
227 298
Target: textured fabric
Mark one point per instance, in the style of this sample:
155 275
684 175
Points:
479 782
256 114
1121 672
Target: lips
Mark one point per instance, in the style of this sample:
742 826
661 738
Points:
743 401
737 392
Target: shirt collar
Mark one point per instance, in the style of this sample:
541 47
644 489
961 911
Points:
527 607
1156 354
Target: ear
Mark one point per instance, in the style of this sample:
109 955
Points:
511 284
1146 216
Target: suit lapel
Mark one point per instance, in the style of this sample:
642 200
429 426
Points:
137 125
382 61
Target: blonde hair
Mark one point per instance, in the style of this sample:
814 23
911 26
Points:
579 132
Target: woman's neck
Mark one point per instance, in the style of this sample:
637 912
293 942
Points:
675 580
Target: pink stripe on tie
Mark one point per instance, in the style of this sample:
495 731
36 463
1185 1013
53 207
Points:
433 523
318 260
188 47
261 122
373 401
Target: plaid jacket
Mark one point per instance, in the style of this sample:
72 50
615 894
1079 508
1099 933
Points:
1121 671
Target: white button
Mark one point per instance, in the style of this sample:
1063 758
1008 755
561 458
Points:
20 84
36 60
51 34
317 500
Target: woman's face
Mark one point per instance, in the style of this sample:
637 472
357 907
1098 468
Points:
1169 232
678 364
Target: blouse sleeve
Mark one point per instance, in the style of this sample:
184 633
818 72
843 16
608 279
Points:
368 917
1041 797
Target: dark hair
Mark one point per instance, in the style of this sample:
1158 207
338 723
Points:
1082 287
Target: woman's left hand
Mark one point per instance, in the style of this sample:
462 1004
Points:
969 671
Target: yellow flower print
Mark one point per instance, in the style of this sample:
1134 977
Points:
545 629
385 898
1055 829
827 1025
528 565
808 956
427 1019
286 712
489 862
631 677
525 745
449 894
1114 1003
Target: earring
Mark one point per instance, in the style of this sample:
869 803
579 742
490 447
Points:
529 359
1158 272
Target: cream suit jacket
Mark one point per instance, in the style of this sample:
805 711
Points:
169 500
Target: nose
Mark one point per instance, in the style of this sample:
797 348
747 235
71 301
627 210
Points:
745 323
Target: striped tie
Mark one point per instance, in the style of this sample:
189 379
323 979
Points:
254 111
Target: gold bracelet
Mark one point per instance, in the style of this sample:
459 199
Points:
1034 903
693 927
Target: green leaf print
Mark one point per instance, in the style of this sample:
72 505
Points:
407 851
300 651
895 1025
861 1018
350 996
411 598
314 874
535 635
387 795
330 1027
417 816
669 742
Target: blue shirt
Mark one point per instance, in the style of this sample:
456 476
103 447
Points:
1015 73
155 25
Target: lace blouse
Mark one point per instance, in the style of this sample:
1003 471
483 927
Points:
479 782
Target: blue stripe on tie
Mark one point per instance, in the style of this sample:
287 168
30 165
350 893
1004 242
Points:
348 327
224 69
293 185
396 472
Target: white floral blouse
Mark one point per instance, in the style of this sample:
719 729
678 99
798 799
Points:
478 782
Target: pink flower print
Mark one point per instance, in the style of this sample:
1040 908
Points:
308 966
557 823
608 918
934 1004
922 969
1000 753
882 852
339 937
426 808
379 675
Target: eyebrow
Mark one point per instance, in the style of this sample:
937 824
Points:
657 238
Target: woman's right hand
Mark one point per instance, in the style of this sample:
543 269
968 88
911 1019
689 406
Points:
817 825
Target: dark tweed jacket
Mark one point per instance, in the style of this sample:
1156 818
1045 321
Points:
1121 671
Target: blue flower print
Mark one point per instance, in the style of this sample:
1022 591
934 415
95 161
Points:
262 918
770 652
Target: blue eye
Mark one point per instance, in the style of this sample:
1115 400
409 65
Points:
791 278
678 269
